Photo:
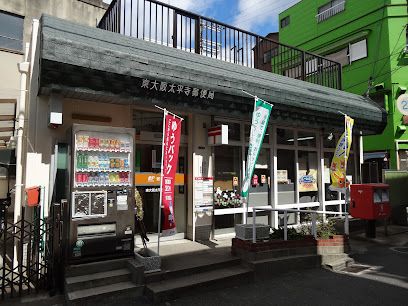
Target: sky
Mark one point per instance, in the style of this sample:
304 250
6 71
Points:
258 16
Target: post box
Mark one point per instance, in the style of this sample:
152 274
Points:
33 196
370 201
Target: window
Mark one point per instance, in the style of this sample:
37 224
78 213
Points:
340 56
284 22
307 177
11 32
330 9
358 50
286 177
349 54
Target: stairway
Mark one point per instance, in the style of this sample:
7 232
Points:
206 270
118 280
278 261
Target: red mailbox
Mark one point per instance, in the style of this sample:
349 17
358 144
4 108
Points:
370 201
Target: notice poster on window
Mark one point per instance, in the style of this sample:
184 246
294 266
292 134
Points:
203 192
307 180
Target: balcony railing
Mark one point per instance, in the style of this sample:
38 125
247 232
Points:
173 27
335 9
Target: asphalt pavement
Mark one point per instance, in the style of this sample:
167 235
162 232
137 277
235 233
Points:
379 277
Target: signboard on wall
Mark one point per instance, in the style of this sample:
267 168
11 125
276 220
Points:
307 180
203 192
218 135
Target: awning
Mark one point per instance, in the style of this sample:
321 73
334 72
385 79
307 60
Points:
87 63
374 155
342 42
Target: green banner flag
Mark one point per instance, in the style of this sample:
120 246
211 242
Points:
260 119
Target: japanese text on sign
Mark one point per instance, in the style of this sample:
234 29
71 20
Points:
178 89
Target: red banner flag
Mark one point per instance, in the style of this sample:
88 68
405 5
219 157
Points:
171 142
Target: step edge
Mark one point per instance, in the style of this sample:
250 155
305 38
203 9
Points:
192 283
75 279
94 290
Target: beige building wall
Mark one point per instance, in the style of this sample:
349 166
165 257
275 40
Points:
87 12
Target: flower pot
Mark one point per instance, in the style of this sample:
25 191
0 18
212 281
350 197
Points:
244 231
150 260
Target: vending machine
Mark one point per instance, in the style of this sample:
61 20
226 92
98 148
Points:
101 188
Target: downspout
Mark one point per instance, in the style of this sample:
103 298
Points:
23 69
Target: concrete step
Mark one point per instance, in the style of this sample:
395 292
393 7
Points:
107 294
339 263
273 266
95 267
96 279
188 268
209 280
276 253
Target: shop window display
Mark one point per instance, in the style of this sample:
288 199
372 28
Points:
307 177
227 177
286 177
227 185
259 191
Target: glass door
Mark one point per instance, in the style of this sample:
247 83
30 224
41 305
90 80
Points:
147 182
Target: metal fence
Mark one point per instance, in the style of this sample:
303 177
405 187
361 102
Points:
31 252
170 26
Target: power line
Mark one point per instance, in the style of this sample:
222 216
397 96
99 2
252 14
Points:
389 72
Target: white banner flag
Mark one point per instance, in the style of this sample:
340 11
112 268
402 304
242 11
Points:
260 119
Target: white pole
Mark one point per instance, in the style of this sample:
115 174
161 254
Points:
24 69
161 184
253 225
285 225
345 163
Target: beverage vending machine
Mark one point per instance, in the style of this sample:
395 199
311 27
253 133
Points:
101 189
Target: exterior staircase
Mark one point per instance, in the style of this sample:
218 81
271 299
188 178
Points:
104 282
278 261
206 270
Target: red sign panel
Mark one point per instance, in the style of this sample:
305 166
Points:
171 142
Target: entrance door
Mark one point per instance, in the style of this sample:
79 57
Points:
147 182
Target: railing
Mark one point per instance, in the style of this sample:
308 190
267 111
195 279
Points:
31 252
173 27
313 214
335 9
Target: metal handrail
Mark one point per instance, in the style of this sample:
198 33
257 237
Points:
331 11
314 214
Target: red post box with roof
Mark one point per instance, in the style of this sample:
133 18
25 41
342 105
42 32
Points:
370 201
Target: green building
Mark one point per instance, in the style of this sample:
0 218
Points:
370 40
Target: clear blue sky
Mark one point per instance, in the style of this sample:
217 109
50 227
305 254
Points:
259 16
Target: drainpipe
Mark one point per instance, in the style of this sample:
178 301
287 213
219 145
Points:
23 69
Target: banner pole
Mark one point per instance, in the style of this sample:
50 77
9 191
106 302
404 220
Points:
345 164
246 199
161 184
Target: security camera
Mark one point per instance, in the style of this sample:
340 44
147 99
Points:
330 137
